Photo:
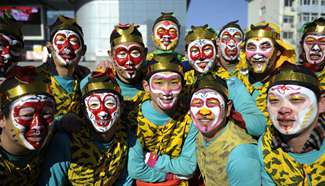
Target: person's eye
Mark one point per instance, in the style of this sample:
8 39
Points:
121 54
135 53
273 100
297 99
310 41
197 103
175 82
157 82
251 46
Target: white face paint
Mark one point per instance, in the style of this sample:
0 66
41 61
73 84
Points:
32 118
314 47
230 39
165 88
201 54
259 52
68 47
103 110
207 110
292 108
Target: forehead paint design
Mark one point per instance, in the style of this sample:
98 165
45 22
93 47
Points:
201 54
32 116
259 52
166 35
314 47
292 108
67 45
103 110
207 109
230 39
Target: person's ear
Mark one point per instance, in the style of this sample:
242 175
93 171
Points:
217 42
321 105
145 85
2 120
84 49
110 53
145 52
49 47
278 53
229 108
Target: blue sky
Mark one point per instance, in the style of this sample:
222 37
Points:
217 13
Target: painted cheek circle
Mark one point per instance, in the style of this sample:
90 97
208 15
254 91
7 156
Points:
128 56
38 109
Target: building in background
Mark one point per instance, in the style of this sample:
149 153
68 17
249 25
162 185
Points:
290 15
97 18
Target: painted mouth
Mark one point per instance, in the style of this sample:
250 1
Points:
103 123
231 52
286 124
315 56
202 64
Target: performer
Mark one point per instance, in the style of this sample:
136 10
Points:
292 151
166 33
62 70
229 39
263 53
11 44
164 150
128 53
221 157
201 52
26 120
96 154
313 49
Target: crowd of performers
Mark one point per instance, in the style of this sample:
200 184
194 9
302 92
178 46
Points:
237 108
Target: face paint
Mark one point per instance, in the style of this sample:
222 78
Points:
128 59
165 88
259 53
314 47
166 35
230 39
292 108
32 117
103 110
9 52
68 47
201 54
207 110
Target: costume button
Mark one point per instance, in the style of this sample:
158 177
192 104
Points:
101 174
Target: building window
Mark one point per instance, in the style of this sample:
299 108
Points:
314 16
287 35
306 17
288 3
263 11
323 2
314 2
323 15
306 2
287 19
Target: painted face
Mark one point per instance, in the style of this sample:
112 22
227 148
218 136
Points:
207 109
292 108
314 47
9 52
165 88
128 58
259 53
68 47
230 39
32 118
201 54
166 35
103 110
